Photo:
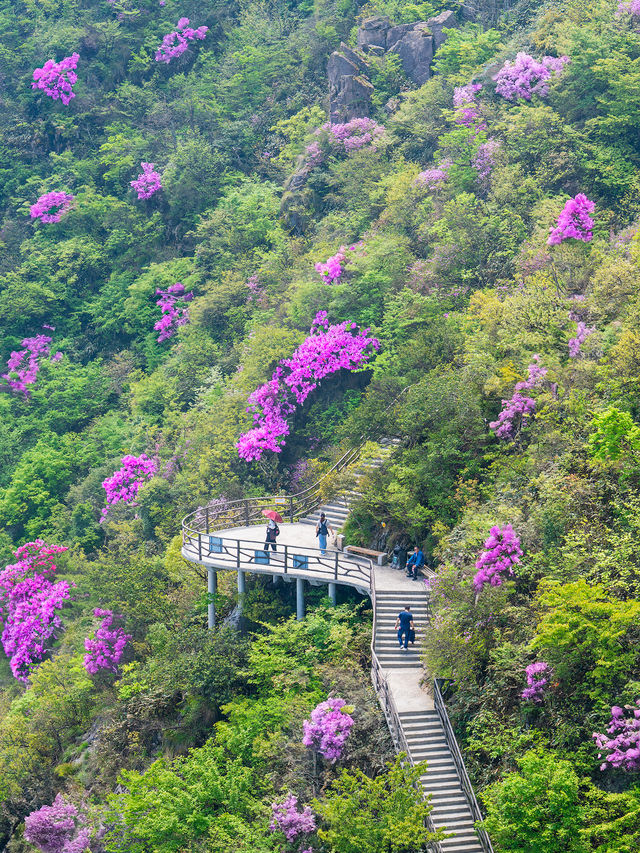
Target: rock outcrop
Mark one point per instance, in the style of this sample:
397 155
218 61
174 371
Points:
350 89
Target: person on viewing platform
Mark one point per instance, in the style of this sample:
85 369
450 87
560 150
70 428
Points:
405 627
399 558
273 531
415 563
323 529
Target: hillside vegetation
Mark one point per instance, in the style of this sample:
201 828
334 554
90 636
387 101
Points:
500 316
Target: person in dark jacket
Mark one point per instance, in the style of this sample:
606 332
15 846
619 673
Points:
415 563
405 627
272 533
399 559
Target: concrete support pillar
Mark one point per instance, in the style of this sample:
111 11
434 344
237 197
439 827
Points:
241 582
299 599
275 579
333 593
212 585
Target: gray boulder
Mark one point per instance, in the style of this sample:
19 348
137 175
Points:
436 25
415 49
373 33
349 90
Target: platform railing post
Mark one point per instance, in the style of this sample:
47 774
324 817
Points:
238 553
335 568
200 546
299 599
291 510
246 512
206 515
286 559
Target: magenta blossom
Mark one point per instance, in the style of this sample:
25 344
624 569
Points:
50 207
502 552
176 43
125 483
355 134
287 819
465 102
433 179
148 182
328 729
628 7
582 333
623 740
175 312
526 77
23 365
105 648
575 222
56 79
538 675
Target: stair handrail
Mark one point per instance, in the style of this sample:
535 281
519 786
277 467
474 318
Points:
389 708
249 510
458 760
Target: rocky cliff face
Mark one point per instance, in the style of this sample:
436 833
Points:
350 89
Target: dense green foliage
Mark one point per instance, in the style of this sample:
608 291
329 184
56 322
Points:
461 289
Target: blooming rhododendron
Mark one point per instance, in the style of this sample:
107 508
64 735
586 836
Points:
574 222
176 43
124 484
526 77
628 7
148 182
174 312
434 178
502 552
291 822
355 134
28 604
537 680
326 350
105 648
58 828
623 740
331 269
56 79
582 333
536 374
328 729
484 160
24 364
465 103
51 206
517 411
257 293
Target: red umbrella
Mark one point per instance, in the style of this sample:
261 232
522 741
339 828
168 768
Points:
273 515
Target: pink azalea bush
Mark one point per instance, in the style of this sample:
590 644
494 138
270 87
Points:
287 819
465 102
628 7
535 374
174 44
328 729
355 134
29 605
50 207
332 268
502 552
575 222
582 333
526 76
175 312
125 483
622 740
148 181
433 179
56 79
326 350
23 365
107 645
58 828
516 412
484 160
257 293
538 675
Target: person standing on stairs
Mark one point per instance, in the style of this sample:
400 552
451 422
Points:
405 627
323 529
415 563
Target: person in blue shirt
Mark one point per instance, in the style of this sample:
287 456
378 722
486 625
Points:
415 563
404 626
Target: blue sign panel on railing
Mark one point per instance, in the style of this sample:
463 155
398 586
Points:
261 557
215 545
300 561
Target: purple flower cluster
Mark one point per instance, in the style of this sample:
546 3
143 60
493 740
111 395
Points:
28 604
465 103
623 740
58 828
331 269
328 729
314 154
536 374
582 333
51 206
502 552
257 293
326 350
105 648
57 78
148 182
23 365
175 312
484 160
176 43
287 819
517 411
538 675
526 77
628 7
355 134
124 484
575 222
434 178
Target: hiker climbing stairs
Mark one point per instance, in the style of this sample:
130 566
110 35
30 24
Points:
388 605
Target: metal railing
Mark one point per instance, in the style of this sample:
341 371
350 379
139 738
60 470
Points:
458 760
297 561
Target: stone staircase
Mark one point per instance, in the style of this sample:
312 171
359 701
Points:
337 509
388 605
